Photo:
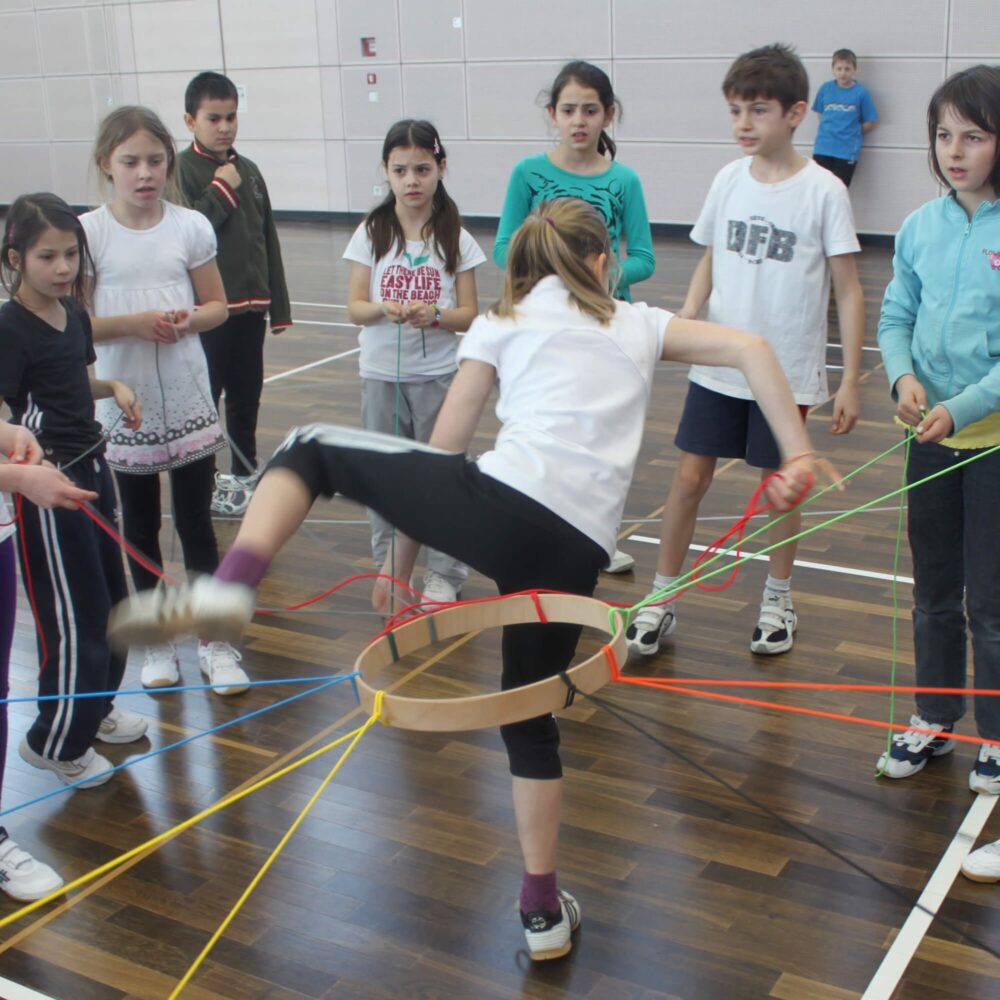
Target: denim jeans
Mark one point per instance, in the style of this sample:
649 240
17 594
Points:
954 531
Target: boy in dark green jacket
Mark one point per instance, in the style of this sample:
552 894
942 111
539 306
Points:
229 190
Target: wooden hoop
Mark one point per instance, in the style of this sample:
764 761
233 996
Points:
487 711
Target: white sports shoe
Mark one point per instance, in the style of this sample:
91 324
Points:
621 562
21 876
232 494
160 667
437 588
776 625
90 768
122 726
548 934
983 865
220 664
208 608
652 623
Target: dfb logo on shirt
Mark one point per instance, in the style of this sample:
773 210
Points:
757 239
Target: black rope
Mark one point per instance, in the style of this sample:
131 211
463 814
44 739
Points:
620 714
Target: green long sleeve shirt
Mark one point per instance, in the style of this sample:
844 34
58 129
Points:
616 193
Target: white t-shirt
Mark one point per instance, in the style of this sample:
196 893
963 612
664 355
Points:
573 400
6 517
148 269
770 244
417 274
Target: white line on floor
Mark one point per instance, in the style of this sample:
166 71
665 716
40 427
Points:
899 955
317 322
312 364
11 991
320 305
825 567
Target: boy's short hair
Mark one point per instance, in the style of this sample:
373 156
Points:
209 86
772 72
844 55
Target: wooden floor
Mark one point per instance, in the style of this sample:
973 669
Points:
402 882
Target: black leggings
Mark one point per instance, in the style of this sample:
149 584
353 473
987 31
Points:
191 496
444 501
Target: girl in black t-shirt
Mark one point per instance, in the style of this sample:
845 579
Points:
73 570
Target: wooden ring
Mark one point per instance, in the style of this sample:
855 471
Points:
486 711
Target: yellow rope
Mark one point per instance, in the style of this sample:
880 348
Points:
357 734
181 827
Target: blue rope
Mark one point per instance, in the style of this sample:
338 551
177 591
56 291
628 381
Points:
180 743
155 691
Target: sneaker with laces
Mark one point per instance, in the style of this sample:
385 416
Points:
621 562
232 494
548 934
160 667
437 588
911 750
208 608
90 768
985 774
983 865
122 726
776 625
652 624
21 876
220 664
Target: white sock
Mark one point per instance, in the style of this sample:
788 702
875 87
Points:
661 582
778 586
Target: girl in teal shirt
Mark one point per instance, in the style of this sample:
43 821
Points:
582 105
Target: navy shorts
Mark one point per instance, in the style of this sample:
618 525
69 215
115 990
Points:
721 426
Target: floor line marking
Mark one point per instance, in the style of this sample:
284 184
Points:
913 931
312 364
804 564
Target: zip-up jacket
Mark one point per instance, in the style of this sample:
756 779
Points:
941 313
249 252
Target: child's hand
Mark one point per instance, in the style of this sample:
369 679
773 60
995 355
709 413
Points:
935 426
128 403
846 409
279 328
228 173
394 311
419 314
25 450
48 487
153 326
175 324
796 478
912 400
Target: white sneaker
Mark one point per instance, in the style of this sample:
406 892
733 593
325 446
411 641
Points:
983 865
437 588
621 562
548 934
90 768
208 608
911 750
776 625
653 623
21 876
160 667
220 664
232 494
122 726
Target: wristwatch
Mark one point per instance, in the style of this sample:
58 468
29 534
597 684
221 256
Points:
437 316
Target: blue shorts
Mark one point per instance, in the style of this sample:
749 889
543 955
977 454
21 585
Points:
721 426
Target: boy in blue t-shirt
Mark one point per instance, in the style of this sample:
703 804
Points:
846 113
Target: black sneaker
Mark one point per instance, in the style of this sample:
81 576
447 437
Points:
548 934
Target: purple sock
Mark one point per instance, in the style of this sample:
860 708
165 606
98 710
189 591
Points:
539 892
242 566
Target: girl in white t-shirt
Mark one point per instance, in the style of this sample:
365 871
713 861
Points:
574 369
156 284
412 288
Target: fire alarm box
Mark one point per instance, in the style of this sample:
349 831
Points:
368 46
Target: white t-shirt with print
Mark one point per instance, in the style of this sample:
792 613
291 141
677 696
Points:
573 396
770 275
417 274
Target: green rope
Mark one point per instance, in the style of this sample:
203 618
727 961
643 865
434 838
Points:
392 534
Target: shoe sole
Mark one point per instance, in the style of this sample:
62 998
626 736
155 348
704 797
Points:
547 954
31 897
44 764
981 788
225 690
917 768
112 738
161 682
980 878
122 633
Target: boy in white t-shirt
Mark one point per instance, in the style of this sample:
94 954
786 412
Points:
776 228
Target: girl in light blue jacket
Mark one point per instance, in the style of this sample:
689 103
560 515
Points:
940 339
